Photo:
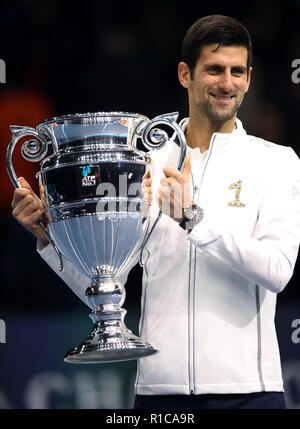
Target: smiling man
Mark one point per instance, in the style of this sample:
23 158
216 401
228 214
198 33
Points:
225 245
212 271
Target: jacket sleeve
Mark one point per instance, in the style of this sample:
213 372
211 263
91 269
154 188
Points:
268 257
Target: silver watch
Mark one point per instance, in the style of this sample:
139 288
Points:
193 214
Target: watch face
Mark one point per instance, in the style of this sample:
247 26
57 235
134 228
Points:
193 213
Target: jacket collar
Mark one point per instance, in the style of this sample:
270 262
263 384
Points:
220 140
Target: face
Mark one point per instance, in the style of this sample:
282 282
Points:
219 82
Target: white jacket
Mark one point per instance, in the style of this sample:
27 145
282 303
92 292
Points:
209 297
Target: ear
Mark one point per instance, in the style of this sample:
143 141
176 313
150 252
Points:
184 74
248 79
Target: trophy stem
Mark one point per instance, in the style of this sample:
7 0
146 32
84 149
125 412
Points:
110 340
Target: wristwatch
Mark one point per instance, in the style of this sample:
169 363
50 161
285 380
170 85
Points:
193 214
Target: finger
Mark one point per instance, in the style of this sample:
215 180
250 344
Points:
172 184
172 172
27 206
24 183
32 208
147 194
27 199
169 180
41 188
146 188
164 192
165 181
187 166
175 175
147 174
19 195
147 197
43 197
35 218
147 182
45 217
32 223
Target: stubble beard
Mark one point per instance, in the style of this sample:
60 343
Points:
220 116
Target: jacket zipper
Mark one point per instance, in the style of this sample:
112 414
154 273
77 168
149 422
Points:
192 285
191 318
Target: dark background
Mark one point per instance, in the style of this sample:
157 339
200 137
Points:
69 57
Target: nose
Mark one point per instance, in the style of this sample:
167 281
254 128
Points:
225 82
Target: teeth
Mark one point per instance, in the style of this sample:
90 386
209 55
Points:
222 97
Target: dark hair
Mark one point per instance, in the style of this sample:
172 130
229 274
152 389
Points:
220 29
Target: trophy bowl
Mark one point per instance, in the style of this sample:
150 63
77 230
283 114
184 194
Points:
97 217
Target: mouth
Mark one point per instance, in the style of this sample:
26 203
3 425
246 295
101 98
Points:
221 98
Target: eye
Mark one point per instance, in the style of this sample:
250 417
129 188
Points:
214 69
238 71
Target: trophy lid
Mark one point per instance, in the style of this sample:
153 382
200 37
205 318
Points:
92 118
90 128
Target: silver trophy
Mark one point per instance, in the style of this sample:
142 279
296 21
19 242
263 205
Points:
97 217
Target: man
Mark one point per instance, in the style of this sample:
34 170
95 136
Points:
225 245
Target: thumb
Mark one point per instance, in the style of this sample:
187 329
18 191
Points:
187 166
147 174
41 187
24 183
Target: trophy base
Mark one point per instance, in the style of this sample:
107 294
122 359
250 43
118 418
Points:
109 342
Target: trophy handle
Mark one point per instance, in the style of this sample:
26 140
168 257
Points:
155 138
32 150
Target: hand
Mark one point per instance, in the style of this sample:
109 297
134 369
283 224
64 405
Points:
175 193
28 209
